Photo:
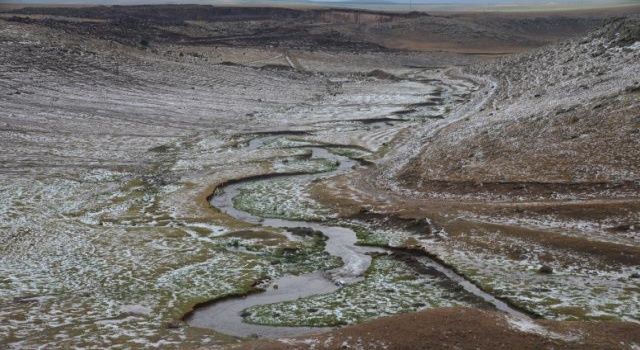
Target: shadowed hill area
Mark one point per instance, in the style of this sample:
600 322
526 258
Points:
312 28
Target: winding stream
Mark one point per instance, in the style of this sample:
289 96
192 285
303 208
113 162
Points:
225 316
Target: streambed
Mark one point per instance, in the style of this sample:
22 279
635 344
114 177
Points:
227 315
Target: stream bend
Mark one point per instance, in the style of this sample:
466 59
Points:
226 316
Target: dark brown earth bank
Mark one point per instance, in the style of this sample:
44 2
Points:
461 329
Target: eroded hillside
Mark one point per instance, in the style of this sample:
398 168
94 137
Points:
565 115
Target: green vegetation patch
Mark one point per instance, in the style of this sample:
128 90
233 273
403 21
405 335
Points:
280 198
284 142
310 166
390 287
352 153
580 287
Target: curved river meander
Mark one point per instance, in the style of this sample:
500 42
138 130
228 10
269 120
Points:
225 316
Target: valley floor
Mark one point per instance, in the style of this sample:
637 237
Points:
113 155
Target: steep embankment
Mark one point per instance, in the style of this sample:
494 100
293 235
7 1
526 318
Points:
564 118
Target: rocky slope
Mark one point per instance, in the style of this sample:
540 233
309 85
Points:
564 119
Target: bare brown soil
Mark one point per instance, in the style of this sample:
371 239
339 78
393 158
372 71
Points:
459 328
617 216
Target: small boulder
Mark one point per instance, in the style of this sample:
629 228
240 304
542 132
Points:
545 269
173 325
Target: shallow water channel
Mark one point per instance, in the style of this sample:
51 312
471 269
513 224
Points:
225 316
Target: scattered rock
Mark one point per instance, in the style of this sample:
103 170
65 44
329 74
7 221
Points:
25 300
289 251
304 231
545 269
538 93
599 52
633 88
380 74
277 67
562 110
174 325
364 210
621 228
